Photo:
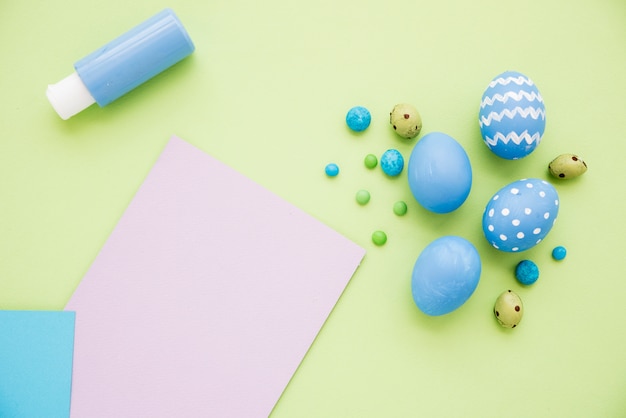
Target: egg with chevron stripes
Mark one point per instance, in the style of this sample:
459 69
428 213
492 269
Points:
512 115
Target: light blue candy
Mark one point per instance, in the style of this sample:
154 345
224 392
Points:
332 170
392 162
559 253
526 272
439 173
358 118
445 275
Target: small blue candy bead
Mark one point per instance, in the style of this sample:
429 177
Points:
358 118
559 253
332 170
392 162
527 272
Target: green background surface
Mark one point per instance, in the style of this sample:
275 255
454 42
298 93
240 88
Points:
266 92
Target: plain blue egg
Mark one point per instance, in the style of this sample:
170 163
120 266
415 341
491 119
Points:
445 275
439 173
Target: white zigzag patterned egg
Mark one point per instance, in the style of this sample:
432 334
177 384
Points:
520 215
512 116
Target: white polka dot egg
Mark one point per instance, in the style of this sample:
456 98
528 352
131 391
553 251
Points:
512 115
520 215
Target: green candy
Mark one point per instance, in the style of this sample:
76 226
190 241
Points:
371 161
400 208
567 166
379 238
362 197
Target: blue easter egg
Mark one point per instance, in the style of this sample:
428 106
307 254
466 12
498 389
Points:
520 215
512 116
439 173
445 275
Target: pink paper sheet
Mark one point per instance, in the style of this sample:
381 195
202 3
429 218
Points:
205 298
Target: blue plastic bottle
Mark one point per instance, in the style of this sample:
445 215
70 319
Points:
122 64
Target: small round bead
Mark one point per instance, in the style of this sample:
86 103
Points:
559 253
379 238
362 197
370 161
392 162
358 118
400 208
526 272
332 170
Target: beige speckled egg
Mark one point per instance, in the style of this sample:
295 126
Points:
509 309
405 120
567 166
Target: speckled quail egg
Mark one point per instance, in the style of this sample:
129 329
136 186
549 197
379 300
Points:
508 309
567 166
405 120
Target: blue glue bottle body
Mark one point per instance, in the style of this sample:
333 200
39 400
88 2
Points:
123 64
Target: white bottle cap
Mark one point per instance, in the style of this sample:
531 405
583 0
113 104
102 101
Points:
69 96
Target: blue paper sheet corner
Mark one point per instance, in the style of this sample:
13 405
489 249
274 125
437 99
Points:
36 356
